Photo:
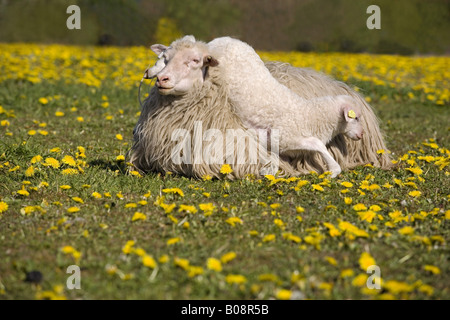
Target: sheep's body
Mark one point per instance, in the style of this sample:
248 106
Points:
261 101
210 104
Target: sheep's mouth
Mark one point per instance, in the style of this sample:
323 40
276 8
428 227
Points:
162 89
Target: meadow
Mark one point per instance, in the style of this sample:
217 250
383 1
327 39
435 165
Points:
68 196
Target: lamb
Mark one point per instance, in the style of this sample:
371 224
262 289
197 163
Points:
208 101
262 102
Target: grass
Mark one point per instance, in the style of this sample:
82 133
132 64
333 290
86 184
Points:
317 265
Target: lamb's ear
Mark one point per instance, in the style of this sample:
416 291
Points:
349 113
210 61
190 38
158 48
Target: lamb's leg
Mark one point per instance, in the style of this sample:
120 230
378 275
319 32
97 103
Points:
314 144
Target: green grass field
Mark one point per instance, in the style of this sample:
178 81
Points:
311 237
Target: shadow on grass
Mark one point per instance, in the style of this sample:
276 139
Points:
109 165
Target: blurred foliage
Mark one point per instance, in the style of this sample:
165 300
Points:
407 26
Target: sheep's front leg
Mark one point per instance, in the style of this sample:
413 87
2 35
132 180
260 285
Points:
314 144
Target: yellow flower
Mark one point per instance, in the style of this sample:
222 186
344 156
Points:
317 187
65 187
174 190
233 220
43 100
283 294
127 248
148 261
163 259
360 280
432 269
408 230
120 158
396 287
3 206
367 215
182 263
73 209
23 192
30 171
366 260
52 162
138 216
119 137
348 200
226 169
194 271
346 273
214 264
235 278
172 241
331 261
36 159
359 207
415 193
187 208
96 195
206 207
347 184
69 160
227 257
268 238
59 114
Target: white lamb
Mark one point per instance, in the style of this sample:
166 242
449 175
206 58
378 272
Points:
303 124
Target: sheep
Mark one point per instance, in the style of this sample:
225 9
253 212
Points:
168 110
208 101
262 102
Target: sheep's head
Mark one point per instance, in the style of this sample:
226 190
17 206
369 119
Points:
353 127
184 63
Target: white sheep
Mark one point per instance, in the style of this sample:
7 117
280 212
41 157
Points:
261 102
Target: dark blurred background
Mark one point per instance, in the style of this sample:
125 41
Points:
407 26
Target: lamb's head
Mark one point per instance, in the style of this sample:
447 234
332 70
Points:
352 125
184 63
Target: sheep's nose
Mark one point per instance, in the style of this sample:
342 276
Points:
163 79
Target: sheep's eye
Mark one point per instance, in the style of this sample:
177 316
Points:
356 118
196 60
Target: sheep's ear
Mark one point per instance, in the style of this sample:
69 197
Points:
158 48
210 61
189 38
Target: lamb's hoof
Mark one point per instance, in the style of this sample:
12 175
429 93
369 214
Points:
335 173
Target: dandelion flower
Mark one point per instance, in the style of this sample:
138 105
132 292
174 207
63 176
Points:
227 257
366 260
148 261
3 206
432 269
138 216
235 279
283 294
226 169
214 264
